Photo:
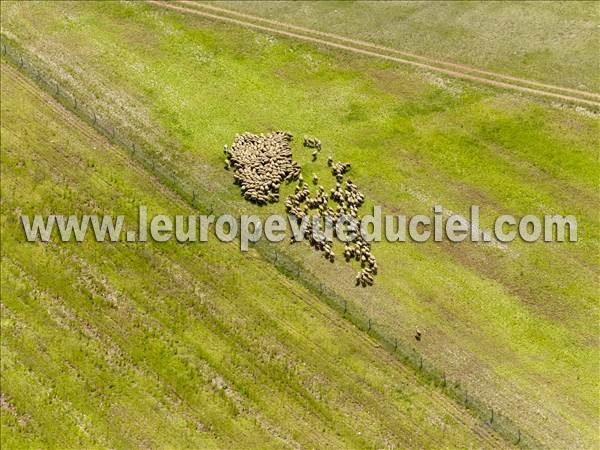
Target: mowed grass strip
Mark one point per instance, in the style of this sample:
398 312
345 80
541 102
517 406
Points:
173 345
517 324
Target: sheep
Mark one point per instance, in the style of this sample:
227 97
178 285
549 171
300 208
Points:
339 169
348 200
261 163
312 142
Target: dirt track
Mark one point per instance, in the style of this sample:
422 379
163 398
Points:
373 50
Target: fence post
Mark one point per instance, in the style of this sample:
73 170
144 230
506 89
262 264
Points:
369 326
345 306
21 61
491 415
518 435
75 102
193 195
444 379
420 363
94 114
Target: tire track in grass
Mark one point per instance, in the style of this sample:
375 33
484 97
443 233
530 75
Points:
425 59
354 48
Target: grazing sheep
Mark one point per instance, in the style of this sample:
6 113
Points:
312 142
348 200
339 169
261 163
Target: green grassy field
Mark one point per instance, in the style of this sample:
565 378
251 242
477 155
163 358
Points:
517 325
170 345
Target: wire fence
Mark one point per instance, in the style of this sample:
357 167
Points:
285 264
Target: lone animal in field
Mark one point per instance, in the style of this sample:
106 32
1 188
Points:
418 334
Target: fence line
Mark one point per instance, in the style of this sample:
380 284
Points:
284 263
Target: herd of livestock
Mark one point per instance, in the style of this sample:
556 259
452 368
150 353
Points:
261 163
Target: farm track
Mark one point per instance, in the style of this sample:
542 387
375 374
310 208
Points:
373 50
490 438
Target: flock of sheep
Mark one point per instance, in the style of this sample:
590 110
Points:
347 199
262 162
